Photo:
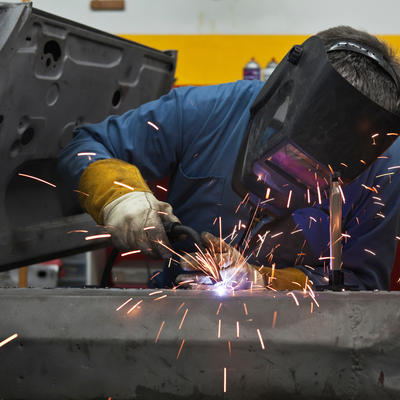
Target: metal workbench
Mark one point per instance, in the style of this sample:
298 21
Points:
74 344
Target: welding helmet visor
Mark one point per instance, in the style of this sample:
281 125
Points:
307 121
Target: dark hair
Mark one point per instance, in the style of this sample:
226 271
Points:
362 72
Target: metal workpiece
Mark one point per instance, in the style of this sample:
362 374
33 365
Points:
74 344
56 75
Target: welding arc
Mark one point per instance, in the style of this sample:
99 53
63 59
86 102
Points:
173 230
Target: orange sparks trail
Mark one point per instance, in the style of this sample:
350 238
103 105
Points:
237 328
180 326
158 335
268 193
134 306
261 339
183 341
130 252
159 298
224 380
319 194
274 320
124 185
78 191
312 307
8 339
162 188
37 179
219 329
229 346
153 125
157 292
289 198
78 230
149 227
220 304
369 251
124 304
308 196
179 308
102 236
295 298
245 308
86 154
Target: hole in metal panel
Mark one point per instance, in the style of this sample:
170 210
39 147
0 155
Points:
53 48
1 119
116 100
27 136
48 62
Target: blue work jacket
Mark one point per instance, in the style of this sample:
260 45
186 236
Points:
200 130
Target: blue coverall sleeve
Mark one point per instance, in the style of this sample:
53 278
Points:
149 137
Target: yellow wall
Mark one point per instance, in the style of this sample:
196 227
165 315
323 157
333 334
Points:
213 59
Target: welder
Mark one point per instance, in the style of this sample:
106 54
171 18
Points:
196 135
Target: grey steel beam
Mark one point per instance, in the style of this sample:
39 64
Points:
74 344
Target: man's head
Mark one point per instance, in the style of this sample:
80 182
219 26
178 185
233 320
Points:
361 71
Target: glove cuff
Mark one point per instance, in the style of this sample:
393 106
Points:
284 279
98 185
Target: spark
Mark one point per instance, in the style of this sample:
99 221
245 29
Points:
229 346
130 252
379 204
274 319
308 266
224 380
308 196
220 304
78 191
8 339
363 162
398 237
237 328
149 227
341 192
78 230
346 235
294 297
219 329
395 167
296 283
124 185
312 294
392 134
37 179
162 188
277 234
159 298
245 308
369 251
358 221
86 154
375 135
157 292
326 258
261 339
268 193
180 326
134 306
124 304
289 198
183 341
154 275
344 165
162 212
298 230
153 125
176 312
380 215
312 304
104 235
319 194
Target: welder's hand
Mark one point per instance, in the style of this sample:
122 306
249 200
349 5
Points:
134 221
221 261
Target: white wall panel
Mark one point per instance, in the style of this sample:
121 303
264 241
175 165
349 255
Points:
237 17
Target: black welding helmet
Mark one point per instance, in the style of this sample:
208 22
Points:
307 121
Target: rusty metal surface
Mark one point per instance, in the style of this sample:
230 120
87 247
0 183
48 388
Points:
73 344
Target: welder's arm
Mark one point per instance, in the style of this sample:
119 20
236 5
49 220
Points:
115 194
234 270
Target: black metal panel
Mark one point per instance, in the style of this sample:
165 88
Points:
56 74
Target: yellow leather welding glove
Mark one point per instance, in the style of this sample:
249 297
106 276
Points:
115 194
234 270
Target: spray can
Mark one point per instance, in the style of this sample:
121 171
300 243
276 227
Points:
269 69
252 70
